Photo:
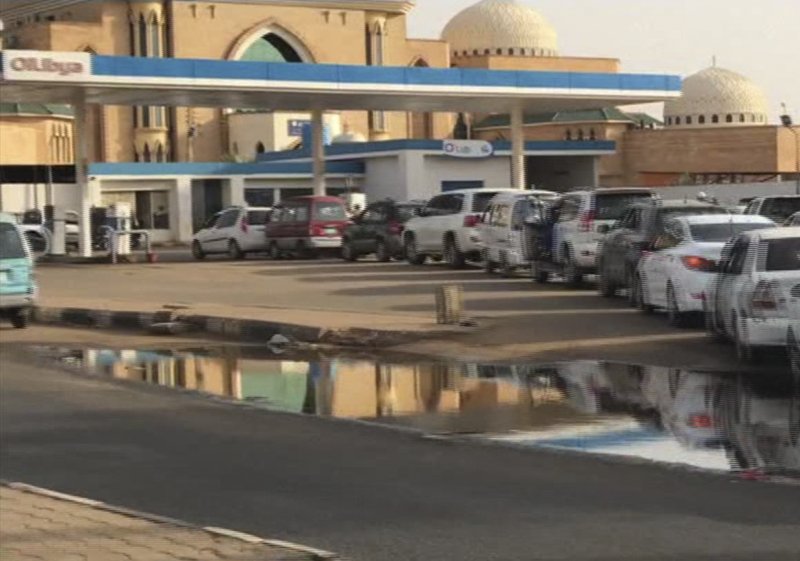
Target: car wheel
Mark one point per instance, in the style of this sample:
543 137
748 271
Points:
506 270
36 242
744 352
20 319
675 317
412 256
604 286
348 253
793 348
197 251
275 252
711 329
452 254
488 265
632 288
382 251
572 275
638 290
234 251
539 275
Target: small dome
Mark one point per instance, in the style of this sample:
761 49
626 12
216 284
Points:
348 136
717 97
506 27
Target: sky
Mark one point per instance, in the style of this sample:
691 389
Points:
757 38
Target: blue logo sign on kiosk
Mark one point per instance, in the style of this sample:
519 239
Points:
294 127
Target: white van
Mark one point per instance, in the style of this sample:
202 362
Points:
502 229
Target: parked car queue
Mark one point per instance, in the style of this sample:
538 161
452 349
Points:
740 273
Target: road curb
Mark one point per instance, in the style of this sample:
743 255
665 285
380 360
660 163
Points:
314 553
240 329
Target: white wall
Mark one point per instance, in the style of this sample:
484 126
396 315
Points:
385 178
429 174
16 198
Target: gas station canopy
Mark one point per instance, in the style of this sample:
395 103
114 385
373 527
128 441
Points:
64 77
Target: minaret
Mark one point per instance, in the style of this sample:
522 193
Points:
147 37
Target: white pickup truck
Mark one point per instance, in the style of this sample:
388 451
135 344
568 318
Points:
33 226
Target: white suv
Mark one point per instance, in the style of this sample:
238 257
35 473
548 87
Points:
584 217
236 231
756 291
447 227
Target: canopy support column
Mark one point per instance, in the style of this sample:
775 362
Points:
318 151
80 140
517 149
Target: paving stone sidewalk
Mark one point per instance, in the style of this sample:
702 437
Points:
38 527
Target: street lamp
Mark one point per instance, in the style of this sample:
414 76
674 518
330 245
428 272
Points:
786 121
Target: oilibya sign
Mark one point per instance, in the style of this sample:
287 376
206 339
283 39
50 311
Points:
468 148
45 65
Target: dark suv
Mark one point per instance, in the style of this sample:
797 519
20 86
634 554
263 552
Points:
634 234
379 230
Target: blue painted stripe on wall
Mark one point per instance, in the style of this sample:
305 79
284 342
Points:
357 148
222 168
344 74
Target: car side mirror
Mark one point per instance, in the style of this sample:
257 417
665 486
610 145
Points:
603 229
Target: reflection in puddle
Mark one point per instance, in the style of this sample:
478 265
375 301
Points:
706 420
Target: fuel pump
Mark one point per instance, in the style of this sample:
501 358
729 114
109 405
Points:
119 218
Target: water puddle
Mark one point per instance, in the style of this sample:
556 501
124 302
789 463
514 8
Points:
746 423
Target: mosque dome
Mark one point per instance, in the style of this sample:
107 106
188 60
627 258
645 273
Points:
717 97
347 137
500 27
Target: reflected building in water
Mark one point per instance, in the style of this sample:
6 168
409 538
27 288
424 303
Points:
664 414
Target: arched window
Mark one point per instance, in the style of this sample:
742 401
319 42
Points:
260 147
669 120
752 118
272 48
159 152
741 117
155 36
146 157
689 120
701 119
592 135
142 36
728 118
580 134
569 134
677 120
499 51
715 118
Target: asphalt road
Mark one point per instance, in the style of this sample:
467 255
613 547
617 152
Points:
369 493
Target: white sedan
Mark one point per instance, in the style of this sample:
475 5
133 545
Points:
674 275
756 291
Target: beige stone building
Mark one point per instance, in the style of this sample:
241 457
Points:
494 34
718 131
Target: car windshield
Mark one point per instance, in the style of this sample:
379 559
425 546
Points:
257 216
783 255
781 208
611 206
329 211
10 242
721 232
481 200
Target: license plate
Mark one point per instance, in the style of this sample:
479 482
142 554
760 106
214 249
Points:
331 231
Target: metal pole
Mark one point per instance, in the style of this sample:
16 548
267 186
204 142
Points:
517 149
318 152
80 140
